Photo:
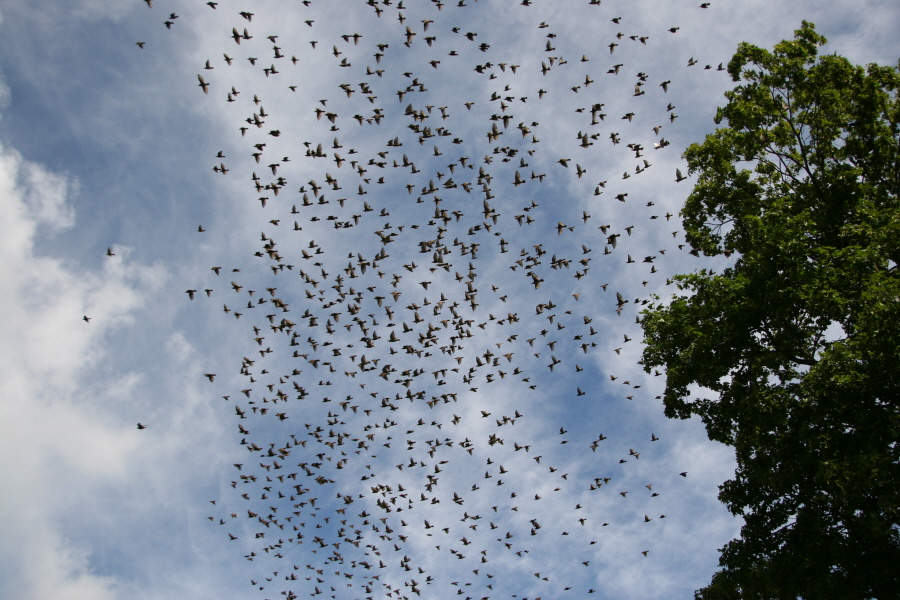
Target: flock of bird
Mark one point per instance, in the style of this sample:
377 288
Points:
413 314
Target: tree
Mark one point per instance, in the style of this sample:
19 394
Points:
797 344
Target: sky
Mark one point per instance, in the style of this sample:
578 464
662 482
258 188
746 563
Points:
418 363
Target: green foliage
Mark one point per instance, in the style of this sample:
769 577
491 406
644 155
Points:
795 349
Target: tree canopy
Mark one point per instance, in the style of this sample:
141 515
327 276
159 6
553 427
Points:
791 354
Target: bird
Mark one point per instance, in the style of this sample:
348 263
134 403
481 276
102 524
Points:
344 341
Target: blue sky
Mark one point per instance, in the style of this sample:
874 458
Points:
107 145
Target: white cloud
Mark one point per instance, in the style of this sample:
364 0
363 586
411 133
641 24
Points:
45 194
58 449
57 569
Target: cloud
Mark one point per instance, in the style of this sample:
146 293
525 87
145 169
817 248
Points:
60 449
98 509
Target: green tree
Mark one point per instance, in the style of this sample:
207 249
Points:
794 351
